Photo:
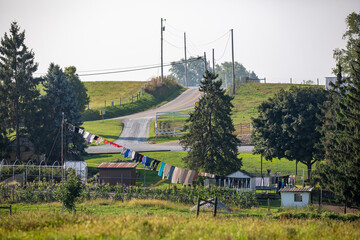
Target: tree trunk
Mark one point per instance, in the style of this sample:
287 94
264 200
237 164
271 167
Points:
345 208
309 170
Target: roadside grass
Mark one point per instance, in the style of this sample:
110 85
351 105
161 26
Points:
155 219
107 129
153 139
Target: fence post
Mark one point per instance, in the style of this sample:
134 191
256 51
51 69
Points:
198 207
10 210
268 204
105 103
120 101
215 207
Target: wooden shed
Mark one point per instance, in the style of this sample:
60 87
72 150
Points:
123 173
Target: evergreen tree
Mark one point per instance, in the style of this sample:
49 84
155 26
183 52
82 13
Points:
78 87
340 174
210 140
286 126
60 98
18 86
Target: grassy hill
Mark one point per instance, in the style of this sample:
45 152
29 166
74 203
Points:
248 96
153 95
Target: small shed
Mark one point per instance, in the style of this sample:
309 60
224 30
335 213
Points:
295 197
123 173
80 168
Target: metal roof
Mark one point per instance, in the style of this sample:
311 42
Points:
118 165
295 190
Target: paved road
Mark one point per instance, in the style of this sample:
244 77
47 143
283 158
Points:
137 127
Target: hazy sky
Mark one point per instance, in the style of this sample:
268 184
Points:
277 39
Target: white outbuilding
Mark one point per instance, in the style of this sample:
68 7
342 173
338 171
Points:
295 197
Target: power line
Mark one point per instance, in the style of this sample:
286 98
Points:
224 49
173 44
138 69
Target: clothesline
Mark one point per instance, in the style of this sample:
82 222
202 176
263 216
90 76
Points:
172 173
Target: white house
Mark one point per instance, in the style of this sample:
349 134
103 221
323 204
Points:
241 180
295 197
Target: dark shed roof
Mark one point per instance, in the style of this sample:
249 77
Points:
295 190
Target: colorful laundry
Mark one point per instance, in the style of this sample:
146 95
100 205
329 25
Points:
161 169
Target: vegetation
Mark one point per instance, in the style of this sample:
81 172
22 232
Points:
225 73
17 86
210 140
341 140
155 94
286 126
79 88
70 190
155 219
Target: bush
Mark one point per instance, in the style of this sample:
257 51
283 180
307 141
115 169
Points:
70 190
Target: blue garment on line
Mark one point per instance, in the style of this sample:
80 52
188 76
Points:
161 169
126 152
171 172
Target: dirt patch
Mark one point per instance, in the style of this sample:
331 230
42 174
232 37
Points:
337 208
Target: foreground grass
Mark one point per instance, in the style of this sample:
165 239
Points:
154 219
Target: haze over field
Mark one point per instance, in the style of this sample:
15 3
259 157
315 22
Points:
277 39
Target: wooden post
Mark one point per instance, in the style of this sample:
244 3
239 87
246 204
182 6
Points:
10 210
198 207
268 204
120 101
215 207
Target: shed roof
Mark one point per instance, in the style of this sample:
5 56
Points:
118 165
295 190
240 172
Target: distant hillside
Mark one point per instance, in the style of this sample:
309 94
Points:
154 94
249 95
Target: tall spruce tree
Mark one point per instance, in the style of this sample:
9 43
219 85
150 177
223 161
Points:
60 98
210 139
341 139
17 84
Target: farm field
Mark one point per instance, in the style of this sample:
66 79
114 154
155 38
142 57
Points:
155 219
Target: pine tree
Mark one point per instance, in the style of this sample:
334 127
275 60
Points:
60 98
17 83
342 137
210 139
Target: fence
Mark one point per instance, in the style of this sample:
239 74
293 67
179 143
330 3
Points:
170 123
121 100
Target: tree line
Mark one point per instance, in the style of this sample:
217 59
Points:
24 112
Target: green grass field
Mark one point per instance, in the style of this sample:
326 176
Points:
107 129
155 219
99 92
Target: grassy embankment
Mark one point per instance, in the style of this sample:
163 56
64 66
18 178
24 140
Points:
154 219
154 95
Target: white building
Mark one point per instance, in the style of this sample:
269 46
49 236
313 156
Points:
241 180
295 197
80 168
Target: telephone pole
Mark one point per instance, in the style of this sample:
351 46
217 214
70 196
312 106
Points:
213 58
162 59
233 67
186 80
62 144
205 64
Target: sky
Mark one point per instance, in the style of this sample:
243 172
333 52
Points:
277 39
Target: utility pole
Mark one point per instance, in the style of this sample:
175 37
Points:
62 144
213 58
186 80
233 67
205 62
162 59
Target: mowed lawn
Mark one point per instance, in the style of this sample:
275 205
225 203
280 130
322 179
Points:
107 129
108 91
155 219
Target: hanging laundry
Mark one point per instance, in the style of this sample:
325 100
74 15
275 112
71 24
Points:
126 152
154 165
171 172
86 134
114 144
76 130
148 161
161 169
81 131
183 177
141 158
96 138
133 155
166 170
195 176
90 137
144 159
189 177
175 175
137 159
106 141
123 150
